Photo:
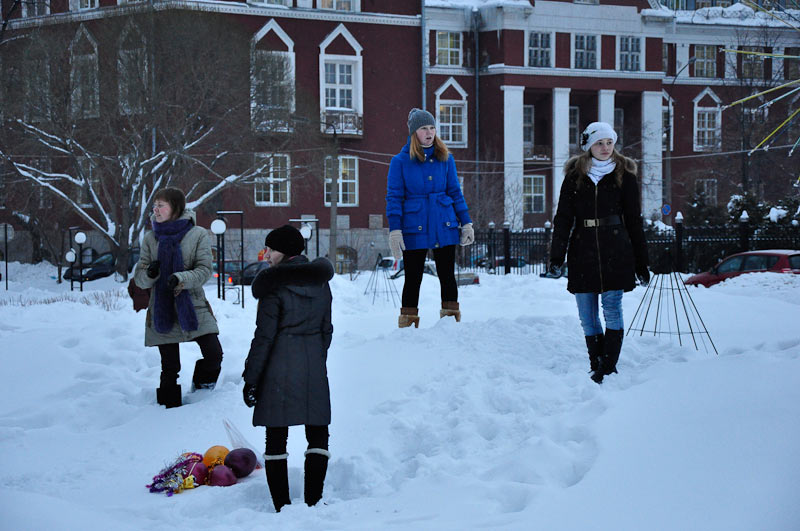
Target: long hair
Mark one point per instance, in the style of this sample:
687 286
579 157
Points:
175 198
581 164
440 150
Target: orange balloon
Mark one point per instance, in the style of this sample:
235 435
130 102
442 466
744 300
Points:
215 456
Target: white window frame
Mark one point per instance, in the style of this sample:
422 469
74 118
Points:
341 70
629 60
336 5
704 64
574 54
88 4
528 129
29 8
460 103
752 62
289 80
665 57
450 50
711 199
270 182
357 61
341 181
574 129
533 181
715 111
125 103
539 49
84 106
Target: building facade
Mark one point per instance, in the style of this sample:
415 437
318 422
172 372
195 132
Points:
512 84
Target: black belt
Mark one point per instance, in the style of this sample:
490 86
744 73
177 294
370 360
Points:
601 222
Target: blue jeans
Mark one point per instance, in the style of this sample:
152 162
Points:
590 316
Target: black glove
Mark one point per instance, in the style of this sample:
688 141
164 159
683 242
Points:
643 275
553 270
249 393
172 281
153 269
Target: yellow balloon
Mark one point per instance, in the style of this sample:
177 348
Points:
215 456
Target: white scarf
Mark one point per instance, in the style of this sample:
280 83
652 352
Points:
601 168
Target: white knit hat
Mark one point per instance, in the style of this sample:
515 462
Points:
596 131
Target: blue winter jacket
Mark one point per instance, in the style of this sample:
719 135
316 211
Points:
424 199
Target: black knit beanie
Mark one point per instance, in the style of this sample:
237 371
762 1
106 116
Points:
286 240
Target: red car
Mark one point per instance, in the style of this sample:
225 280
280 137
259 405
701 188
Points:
772 260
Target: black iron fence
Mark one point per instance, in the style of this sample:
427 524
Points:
684 249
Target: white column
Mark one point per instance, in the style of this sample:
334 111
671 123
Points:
652 177
730 62
560 125
605 106
682 59
512 154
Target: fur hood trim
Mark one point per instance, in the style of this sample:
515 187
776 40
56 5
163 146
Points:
297 271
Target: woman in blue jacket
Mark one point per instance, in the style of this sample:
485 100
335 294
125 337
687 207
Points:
425 207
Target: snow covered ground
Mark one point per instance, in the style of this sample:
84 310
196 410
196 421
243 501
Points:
489 423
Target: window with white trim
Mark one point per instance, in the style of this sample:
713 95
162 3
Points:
707 135
619 125
527 126
35 8
574 129
272 186
700 4
88 174
272 83
705 64
791 65
84 82
347 169
452 122
338 5
708 189
752 65
448 48
339 86
586 51
36 75
532 194
630 53
132 71
88 4
665 57
538 49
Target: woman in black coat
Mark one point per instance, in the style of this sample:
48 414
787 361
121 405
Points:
285 375
599 219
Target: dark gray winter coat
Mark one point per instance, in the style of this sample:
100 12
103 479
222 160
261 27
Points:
287 358
601 258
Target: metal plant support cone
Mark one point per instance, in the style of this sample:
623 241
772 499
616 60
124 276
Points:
667 309
380 283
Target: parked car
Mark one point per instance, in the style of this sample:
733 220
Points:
249 273
232 268
500 261
100 267
769 260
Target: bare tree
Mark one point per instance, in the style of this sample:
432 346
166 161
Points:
133 106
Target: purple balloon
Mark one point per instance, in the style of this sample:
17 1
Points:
242 461
199 471
222 476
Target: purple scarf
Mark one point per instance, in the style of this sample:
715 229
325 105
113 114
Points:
169 235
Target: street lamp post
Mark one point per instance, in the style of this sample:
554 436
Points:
218 227
667 190
80 239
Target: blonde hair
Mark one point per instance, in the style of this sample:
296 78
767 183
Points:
440 150
581 164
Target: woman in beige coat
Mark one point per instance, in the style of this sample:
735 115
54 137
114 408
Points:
175 261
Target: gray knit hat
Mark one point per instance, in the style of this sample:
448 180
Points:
418 118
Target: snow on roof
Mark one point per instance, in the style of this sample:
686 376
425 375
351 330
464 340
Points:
735 15
477 3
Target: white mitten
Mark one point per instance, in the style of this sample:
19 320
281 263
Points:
396 244
467 235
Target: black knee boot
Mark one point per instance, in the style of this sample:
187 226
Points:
608 361
595 346
278 479
316 467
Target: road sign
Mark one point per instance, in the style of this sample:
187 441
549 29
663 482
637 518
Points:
666 209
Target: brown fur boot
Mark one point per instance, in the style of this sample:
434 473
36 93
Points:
408 316
450 308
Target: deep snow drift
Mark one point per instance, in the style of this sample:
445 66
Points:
488 423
